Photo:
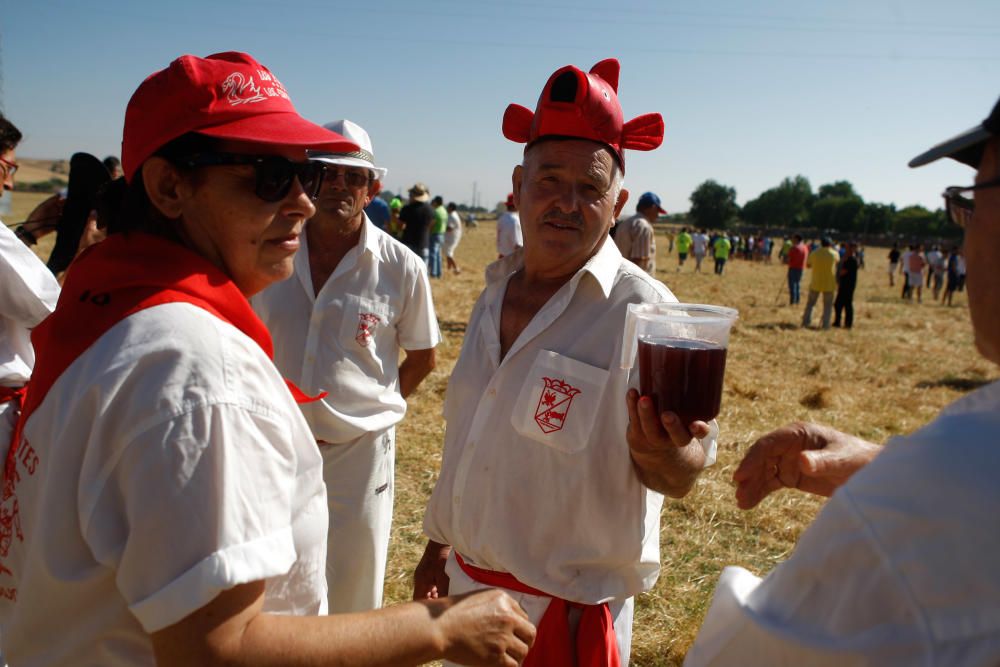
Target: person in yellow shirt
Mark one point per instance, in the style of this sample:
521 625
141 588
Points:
823 262
683 246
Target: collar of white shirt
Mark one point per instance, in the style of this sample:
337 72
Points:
603 266
367 243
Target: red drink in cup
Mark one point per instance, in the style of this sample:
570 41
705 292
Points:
682 376
681 349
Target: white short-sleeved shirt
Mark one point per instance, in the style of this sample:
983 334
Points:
346 339
28 293
536 478
166 464
508 233
906 261
699 243
899 569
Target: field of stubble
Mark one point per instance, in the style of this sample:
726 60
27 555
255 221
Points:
887 376
899 365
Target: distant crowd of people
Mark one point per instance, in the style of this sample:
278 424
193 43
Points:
944 271
424 225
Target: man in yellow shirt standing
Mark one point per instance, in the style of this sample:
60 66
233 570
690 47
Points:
823 262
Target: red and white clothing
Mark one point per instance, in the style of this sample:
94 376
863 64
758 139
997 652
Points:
346 341
28 293
168 462
508 233
536 478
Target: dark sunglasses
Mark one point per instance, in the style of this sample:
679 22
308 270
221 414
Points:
274 175
960 208
353 179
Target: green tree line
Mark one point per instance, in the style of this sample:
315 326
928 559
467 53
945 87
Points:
835 207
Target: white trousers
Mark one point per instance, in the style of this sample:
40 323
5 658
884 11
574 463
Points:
360 481
535 606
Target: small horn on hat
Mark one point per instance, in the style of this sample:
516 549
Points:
608 70
517 123
643 133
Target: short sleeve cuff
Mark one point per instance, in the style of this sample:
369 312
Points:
266 557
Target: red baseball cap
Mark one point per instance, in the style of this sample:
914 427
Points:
584 105
227 95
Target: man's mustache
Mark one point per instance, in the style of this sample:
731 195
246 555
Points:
559 216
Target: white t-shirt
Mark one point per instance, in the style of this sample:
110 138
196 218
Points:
898 569
536 477
508 233
699 242
935 259
453 233
346 339
28 293
166 464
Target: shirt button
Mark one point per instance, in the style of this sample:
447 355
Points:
456 499
493 391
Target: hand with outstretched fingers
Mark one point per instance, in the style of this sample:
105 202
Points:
802 455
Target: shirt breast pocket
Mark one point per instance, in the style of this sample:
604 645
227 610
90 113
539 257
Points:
365 325
559 402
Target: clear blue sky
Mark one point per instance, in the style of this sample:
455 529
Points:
751 92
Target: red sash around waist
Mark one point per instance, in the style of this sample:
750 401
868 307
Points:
11 394
595 642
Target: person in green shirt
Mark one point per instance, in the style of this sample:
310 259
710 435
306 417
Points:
823 262
683 242
438 228
395 227
722 247
783 253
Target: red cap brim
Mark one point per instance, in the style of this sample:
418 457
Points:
281 128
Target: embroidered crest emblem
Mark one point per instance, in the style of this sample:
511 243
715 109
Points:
554 404
366 328
241 90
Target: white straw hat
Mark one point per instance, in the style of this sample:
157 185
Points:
363 157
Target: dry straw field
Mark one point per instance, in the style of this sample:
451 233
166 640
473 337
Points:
899 365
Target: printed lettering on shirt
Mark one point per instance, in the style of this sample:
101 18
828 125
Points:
553 404
10 520
366 328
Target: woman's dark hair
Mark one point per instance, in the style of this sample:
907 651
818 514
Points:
125 207
10 136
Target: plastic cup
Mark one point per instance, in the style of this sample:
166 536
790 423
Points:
681 349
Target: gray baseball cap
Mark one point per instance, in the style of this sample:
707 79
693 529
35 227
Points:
967 147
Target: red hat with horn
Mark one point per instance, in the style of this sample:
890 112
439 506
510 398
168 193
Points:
584 105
